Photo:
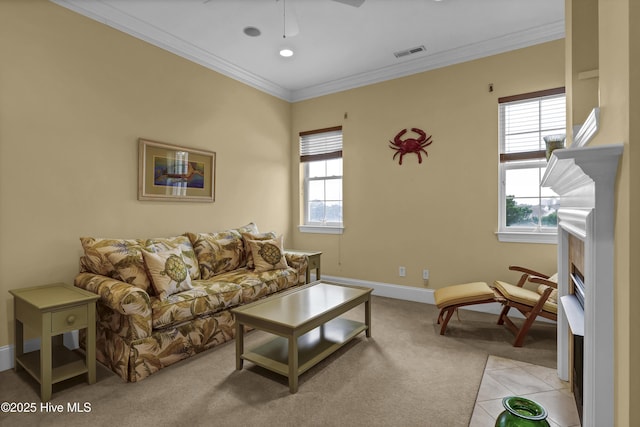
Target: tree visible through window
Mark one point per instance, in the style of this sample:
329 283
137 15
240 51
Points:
524 122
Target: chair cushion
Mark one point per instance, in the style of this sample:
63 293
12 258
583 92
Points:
462 294
553 296
523 296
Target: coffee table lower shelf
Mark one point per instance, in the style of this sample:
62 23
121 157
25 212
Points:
313 347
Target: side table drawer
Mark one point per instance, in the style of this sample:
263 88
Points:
314 262
69 319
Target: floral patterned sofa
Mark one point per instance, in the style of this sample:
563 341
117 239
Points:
165 299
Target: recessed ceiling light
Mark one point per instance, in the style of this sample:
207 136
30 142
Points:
251 31
286 53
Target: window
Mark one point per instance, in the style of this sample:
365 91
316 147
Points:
528 212
321 160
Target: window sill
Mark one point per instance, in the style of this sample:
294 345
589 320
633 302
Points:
321 229
527 237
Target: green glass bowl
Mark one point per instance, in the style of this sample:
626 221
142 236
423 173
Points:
522 412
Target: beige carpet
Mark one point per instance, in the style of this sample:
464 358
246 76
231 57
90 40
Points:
405 375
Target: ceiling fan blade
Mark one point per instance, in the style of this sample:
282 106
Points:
291 27
354 3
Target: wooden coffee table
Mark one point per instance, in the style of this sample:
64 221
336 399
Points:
307 326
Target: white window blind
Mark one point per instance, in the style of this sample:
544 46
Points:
526 119
323 144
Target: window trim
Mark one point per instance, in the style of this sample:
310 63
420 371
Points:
520 234
527 237
321 229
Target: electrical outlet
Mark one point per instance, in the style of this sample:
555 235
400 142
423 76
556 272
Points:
402 271
425 274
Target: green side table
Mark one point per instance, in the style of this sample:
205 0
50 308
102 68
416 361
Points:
314 261
52 310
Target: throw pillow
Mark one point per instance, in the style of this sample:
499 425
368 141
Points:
217 252
249 228
130 267
169 273
161 244
120 259
268 254
246 251
270 235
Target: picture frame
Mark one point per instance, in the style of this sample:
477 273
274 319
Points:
173 173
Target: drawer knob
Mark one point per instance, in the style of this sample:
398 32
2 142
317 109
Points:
71 319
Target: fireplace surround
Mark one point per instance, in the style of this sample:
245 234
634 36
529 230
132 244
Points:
584 178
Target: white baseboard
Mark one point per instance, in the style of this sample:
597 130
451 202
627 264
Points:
70 340
423 295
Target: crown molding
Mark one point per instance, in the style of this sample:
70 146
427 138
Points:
115 18
466 53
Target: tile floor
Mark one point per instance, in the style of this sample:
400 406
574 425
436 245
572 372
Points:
504 377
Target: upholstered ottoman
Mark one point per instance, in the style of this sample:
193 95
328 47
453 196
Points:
449 298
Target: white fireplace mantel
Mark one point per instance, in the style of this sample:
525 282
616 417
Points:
584 178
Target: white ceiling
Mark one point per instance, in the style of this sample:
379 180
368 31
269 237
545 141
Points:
337 46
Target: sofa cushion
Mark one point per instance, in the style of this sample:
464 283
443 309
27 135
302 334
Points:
255 236
268 254
205 297
120 259
217 252
161 244
169 272
256 285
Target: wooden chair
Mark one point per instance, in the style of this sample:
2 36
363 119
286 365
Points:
530 303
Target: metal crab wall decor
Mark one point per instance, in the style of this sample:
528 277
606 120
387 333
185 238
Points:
410 145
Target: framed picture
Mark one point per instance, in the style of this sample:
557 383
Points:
170 172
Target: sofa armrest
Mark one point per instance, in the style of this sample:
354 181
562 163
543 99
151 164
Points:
300 262
129 307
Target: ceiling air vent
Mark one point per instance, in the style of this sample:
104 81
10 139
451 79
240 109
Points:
407 52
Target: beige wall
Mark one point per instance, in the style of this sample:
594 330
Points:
619 63
631 282
75 96
617 50
441 214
